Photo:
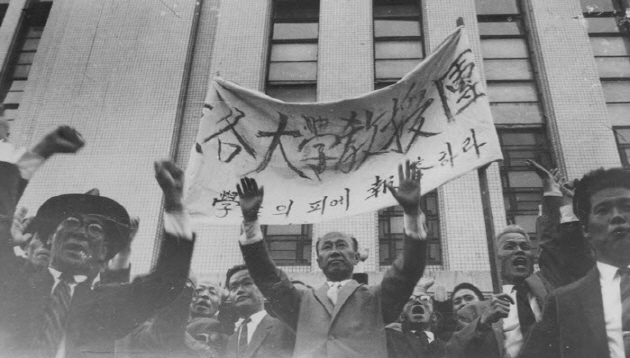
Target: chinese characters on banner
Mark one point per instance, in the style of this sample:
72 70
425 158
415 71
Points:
322 161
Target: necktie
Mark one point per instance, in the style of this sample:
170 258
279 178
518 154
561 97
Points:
624 276
333 292
423 339
242 338
56 316
526 316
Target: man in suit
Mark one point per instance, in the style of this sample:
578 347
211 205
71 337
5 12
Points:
500 326
62 310
259 334
341 318
591 317
414 336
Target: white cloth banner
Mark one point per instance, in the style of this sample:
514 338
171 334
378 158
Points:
322 161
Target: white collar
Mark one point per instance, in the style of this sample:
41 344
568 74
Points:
607 272
56 274
508 288
341 283
256 318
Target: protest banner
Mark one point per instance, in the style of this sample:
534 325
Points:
323 161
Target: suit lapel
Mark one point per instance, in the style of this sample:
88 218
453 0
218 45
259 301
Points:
497 329
322 297
261 332
593 308
346 291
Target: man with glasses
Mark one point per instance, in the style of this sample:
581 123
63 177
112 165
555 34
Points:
63 310
414 335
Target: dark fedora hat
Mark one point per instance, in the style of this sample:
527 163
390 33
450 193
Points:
115 217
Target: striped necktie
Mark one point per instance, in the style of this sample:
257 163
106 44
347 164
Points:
242 338
55 317
624 276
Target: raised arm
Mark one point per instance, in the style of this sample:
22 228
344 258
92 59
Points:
17 166
274 284
399 281
565 254
126 306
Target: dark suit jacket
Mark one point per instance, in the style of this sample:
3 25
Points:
355 326
272 338
573 324
97 316
565 256
405 344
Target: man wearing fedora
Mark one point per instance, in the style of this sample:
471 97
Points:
62 310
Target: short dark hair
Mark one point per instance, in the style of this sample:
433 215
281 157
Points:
468 286
231 273
593 182
355 243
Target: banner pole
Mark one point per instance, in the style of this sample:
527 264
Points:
487 216
489 223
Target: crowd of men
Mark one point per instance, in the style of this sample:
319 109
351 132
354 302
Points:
70 295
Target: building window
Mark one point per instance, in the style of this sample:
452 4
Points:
14 77
522 188
398 45
512 90
609 32
292 75
390 231
289 245
622 134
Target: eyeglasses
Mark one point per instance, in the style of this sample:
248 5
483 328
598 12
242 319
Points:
92 224
421 298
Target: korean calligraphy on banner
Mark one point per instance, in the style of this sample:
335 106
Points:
322 161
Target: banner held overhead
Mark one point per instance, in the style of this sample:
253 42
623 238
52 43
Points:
323 161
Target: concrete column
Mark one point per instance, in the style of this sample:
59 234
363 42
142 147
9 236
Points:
114 70
462 220
578 120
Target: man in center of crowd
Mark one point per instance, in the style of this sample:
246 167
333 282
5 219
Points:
341 318
259 334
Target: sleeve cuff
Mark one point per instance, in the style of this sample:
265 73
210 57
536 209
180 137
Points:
552 193
415 226
250 233
567 214
26 161
178 224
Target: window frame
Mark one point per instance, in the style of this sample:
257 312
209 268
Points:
391 239
621 147
280 85
303 240
387 81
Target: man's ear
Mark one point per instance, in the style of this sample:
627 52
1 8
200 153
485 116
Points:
357 258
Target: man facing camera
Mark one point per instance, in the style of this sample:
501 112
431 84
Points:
591 317
259 334
63 311
414 336
341 318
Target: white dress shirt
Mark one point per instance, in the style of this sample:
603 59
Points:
511 325
254 321
611 296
